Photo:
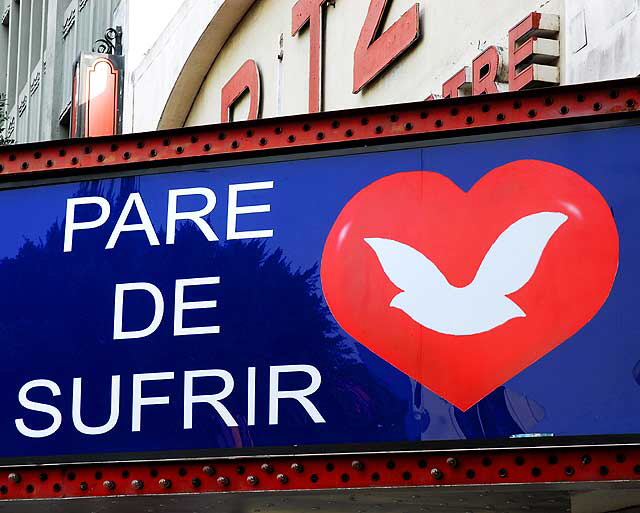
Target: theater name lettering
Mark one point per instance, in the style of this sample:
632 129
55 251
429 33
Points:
531 59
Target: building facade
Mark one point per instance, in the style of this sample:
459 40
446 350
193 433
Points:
295 47
303 55
40 40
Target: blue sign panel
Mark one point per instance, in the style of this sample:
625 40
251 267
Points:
478 291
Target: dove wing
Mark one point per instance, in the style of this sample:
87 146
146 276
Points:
514 256
406 267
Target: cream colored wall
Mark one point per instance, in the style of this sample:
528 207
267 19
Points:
602 39
160 91
453 32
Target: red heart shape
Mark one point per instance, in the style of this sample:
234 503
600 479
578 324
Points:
455 229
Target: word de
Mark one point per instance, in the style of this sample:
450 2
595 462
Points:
180 305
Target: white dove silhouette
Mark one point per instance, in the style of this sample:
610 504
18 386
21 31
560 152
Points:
430 300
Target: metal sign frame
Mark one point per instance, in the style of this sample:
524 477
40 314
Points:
341 129
564 467
72 160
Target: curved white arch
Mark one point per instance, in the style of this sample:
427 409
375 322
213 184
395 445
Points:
169 77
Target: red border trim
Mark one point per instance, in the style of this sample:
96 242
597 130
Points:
390 123
563 467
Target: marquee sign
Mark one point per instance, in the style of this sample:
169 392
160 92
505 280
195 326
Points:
435 294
